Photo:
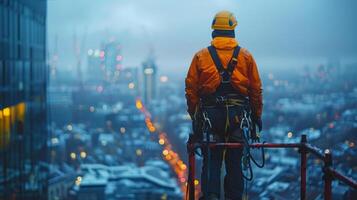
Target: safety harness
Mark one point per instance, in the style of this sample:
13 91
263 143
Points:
227 96
225 73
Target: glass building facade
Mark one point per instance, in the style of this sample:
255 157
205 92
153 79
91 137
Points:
23 119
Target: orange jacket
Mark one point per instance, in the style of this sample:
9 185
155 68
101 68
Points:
203 77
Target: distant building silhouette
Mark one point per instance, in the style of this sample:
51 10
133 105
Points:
111 60
149 80
95 69
23 78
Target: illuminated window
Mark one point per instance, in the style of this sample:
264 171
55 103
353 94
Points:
148 71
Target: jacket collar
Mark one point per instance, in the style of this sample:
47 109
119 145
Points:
224 42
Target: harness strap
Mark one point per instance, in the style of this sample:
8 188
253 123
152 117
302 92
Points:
234 61
225 73
215 58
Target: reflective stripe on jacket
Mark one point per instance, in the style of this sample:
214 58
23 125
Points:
203 77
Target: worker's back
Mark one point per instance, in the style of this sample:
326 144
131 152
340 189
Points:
203 77
223 90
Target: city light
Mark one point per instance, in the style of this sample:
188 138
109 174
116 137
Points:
54 140
196 182
100 88
168 157
148 71
83 154
69 127
119 57
131 85
290 134
73 155
78 180
139 105
101 54
91 109
96 53
139 152
152 129
164 79
6 112
165 152
122 130
183 166
164 197
172 158
90 52
331 125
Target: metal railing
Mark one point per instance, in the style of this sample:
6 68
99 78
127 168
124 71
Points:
329 173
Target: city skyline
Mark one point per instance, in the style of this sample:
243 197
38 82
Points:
296 34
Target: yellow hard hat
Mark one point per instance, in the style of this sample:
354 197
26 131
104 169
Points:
224 20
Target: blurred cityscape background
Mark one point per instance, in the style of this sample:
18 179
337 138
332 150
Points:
92 102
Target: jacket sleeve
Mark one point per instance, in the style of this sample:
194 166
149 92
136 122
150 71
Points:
255 89
192 85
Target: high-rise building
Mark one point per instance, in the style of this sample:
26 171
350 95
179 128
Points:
111 60
149 80
95 67
23 77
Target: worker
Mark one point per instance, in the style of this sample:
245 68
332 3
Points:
223 82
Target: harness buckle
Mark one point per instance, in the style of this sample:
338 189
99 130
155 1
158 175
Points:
226 77
245 121
221 99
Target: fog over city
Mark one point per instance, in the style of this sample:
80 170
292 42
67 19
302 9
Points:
277 32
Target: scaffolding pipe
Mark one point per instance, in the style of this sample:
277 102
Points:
337 175
303 160
327 176
191 172
304 148
315 151
254 145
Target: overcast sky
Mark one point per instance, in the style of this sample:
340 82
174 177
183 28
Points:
279 33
